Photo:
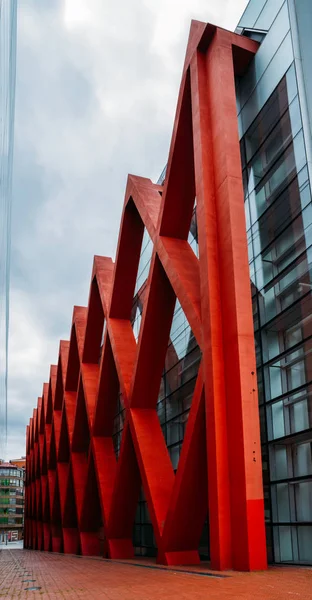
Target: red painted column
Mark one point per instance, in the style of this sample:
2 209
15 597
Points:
39 535
247 507
234 455
70 540
213 360
46 537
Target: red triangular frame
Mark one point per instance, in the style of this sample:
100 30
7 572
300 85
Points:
220 463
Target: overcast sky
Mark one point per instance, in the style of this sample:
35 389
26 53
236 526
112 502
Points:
96 90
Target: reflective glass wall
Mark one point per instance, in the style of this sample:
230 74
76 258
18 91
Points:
279 229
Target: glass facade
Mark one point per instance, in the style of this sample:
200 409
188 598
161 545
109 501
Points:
276 176
279 225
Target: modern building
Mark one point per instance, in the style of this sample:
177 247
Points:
149 428
8 19
11 502
275 116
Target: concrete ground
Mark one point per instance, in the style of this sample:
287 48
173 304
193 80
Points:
72 577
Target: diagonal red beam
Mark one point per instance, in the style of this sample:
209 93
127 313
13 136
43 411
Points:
177 257
124 350
126 489
188 503
107 392
153 340
90 379
179 188
182 269
106 466
154 463
148 200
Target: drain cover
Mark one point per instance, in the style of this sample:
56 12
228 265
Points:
32 589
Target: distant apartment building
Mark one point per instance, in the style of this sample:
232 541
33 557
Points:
11 502
19 462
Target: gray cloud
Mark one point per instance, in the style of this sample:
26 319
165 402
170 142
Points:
97 85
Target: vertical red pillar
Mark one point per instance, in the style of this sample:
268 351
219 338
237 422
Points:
233 433
46 537
247 508
213 364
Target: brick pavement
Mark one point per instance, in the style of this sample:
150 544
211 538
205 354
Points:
72 577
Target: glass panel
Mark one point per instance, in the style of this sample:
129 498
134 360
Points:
267 180
280 503
140 286
278 462
289 372
273 74
291 83
290 415
145 260
283 541
305 544
289 329
181 335
285 249
270 12
118 425
266 52
193 233
252 11
266 120
278 420
137 322
303 498
302 463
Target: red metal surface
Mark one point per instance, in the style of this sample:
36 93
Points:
79 497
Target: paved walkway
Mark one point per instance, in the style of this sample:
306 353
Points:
71 577
12 545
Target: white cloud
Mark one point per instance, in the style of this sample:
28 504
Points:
76 13
31 349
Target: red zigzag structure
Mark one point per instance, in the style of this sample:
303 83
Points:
74 483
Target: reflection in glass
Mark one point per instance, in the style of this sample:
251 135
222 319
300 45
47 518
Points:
279 230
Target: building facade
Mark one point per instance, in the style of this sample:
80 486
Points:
189 465
274 113
11 502
19 462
